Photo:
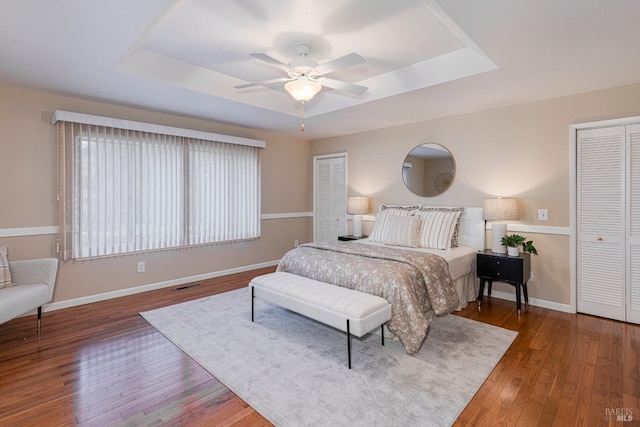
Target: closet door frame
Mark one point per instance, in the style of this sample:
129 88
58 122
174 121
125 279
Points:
573 194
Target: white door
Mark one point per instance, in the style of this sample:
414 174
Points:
330 197
601 212
633 223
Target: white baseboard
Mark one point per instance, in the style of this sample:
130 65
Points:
511 296
58 305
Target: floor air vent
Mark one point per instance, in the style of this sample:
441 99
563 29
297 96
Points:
182 288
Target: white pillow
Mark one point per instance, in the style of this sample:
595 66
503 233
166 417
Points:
403 231
5 274
437 228
455 239
380 226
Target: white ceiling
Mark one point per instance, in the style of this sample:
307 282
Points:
424 58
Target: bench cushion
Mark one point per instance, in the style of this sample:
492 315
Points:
326 303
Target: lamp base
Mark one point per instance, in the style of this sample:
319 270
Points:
498 231
357 225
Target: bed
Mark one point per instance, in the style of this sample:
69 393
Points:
421 259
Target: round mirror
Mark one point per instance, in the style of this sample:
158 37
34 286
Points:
428 170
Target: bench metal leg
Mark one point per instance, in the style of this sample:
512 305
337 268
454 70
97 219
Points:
348 344
39 318
382 332
253 297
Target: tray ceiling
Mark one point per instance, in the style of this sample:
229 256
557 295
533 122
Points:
424 59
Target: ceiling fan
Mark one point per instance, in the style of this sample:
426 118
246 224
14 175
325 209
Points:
306 77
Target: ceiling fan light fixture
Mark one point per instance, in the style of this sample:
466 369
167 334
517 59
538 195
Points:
302 89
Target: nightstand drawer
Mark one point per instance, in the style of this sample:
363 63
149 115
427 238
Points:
502 274
502 264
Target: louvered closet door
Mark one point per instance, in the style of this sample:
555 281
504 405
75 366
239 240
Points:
601 222
330 198
633 224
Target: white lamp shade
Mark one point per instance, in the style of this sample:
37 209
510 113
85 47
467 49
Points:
500 209
302 89
357 205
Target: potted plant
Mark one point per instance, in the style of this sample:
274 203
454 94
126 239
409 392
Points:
513 243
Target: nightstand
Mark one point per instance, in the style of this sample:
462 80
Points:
510 269
350 237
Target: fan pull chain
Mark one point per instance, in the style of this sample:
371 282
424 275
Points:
302 126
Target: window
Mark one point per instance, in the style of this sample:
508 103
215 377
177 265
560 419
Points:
129 187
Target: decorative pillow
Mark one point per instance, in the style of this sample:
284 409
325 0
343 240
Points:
437 228
403 231
379 230
5 274
455 239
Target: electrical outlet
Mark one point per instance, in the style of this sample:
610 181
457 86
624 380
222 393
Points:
141 267
296 243
543 214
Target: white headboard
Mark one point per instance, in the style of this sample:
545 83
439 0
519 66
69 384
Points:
472 228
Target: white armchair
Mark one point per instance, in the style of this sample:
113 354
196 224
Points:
35 280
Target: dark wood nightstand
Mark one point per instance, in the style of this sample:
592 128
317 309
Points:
350 237
513 270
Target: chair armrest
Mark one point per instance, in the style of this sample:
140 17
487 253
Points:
35 271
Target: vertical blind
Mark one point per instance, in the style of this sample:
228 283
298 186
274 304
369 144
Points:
127 190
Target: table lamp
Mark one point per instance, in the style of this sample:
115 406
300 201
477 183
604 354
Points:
499 210
357 206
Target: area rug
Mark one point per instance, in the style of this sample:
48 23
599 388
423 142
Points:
293 370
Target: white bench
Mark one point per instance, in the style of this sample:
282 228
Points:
353 312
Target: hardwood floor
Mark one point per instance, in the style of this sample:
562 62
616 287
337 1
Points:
102 364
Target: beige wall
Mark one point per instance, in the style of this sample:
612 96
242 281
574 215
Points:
28 197
520 151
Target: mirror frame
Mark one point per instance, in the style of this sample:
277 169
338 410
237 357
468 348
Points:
437 181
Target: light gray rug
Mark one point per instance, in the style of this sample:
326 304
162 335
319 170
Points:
293 370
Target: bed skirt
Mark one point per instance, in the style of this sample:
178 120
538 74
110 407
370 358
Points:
467 287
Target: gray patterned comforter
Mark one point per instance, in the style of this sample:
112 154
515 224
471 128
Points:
414 283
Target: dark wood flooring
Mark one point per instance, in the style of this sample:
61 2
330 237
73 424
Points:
102 364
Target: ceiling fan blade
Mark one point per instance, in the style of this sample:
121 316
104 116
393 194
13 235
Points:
346 61
271 60
263 83
277 86
344 86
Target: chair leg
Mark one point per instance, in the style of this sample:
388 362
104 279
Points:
39 318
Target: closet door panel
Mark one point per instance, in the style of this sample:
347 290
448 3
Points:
633 223
601 222
601 287
339 199
323 219
330 198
